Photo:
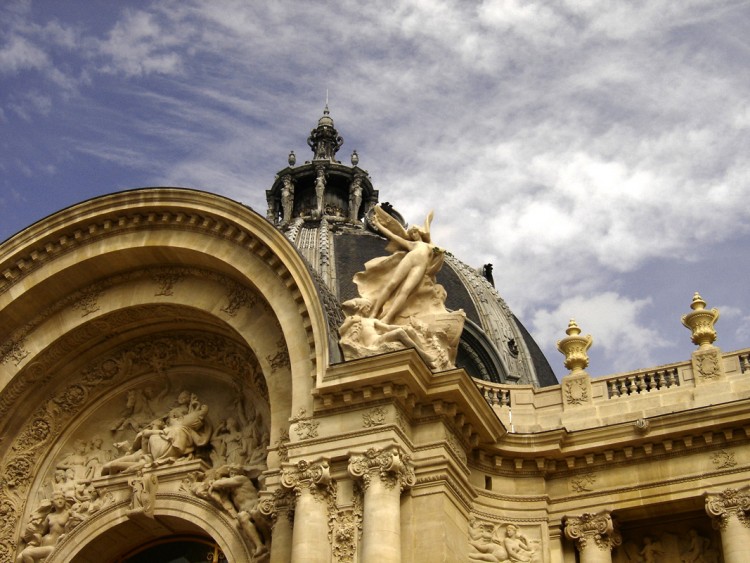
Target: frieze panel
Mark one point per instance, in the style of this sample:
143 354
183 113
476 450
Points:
501 543
679 542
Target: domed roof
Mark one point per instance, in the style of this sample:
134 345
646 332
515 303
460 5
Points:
323 206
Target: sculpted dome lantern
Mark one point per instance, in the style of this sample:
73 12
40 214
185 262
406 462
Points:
325 208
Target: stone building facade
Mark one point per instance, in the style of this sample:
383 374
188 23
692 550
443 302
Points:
172 385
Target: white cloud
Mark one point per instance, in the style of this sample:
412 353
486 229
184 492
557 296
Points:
21 54
141 44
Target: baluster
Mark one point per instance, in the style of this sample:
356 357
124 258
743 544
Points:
614 392
662 380
633 386
652 381
623 386
642 386
745 362
504 397
673 380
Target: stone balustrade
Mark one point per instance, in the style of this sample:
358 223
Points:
638 394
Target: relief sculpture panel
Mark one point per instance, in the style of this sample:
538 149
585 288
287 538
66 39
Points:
175 411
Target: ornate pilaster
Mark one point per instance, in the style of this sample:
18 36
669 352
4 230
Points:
594 535
385 473
729 510
311 484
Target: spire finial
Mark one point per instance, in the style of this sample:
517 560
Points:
325 111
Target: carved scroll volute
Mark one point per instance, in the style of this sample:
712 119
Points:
315 477
390 465
598 527
730 502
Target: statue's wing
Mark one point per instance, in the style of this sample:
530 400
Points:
389 222
428 222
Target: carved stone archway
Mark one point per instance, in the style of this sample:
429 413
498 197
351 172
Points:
134 266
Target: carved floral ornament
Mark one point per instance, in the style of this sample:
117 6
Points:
598 527
730 502
390 465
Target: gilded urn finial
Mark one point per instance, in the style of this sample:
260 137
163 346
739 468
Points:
701 322
574 348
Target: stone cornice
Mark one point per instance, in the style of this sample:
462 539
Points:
450 394
675 434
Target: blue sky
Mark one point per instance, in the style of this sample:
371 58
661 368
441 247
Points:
596 152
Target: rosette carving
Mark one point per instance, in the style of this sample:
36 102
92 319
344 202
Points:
730 502
389 464
598 527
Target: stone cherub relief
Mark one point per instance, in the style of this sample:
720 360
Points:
400 304
501 544
149 431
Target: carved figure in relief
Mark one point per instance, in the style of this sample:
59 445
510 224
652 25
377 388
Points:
355 198
287 198
320 188
178 434
488 542
361 332
239 496
143 494
482 544
76 461
46 527
400 293
652 550
699 550
517 545
136 413
97 457
233 444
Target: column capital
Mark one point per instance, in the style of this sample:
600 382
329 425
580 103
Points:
314 477
598 527
390 464
272 505
729 502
